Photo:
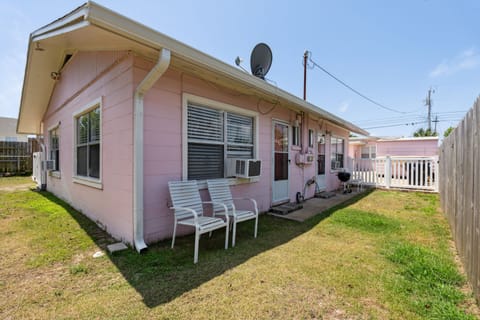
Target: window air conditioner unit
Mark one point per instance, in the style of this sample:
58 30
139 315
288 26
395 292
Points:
243 168
48 165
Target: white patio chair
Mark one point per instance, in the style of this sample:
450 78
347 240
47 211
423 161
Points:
188 210
219 190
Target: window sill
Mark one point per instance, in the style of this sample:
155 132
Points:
296 148
202 184
94 183
55 174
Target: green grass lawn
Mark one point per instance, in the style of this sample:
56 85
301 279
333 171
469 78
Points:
386 255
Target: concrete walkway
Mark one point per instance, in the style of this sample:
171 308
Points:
314 206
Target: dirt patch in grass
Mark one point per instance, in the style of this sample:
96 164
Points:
11 184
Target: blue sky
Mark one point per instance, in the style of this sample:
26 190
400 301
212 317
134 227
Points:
390 51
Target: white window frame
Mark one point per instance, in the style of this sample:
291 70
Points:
88 181
56 127
296 138
344 153
193 99
311 138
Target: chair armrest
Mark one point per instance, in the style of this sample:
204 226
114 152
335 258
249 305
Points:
225 213
195 215
249 199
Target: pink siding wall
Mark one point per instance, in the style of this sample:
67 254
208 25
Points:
112 205
412 147
163 152
353 151
114 76
407 148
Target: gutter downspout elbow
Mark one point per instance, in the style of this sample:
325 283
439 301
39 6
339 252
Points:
157 71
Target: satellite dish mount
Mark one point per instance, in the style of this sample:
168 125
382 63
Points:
261 60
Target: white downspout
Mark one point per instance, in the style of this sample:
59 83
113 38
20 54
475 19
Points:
154 74
43 172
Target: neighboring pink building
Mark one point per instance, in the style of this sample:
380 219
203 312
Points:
124 109
372 147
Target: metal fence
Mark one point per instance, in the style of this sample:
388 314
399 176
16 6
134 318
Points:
459 190
418 173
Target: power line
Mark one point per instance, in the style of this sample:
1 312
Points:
396 125
407 124
399 118
412 117
352 89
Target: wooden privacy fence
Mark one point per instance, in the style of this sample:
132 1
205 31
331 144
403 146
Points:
460 190
16 157
419 173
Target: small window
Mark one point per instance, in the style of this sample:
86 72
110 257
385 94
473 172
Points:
369 152
296 135
337 146
87 143
55 147
311 137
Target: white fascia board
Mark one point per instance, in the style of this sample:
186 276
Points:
408 139
114 22
61 31
79 13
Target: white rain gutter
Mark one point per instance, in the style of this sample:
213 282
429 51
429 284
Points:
154 74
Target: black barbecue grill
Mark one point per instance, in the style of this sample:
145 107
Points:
344 177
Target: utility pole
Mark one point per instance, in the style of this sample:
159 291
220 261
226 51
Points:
436 121
305 57
428 103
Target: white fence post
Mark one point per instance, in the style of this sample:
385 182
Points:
388 172
436 176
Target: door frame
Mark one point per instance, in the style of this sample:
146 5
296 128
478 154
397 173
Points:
287 199
324 187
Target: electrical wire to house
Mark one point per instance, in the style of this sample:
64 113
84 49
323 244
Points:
315 64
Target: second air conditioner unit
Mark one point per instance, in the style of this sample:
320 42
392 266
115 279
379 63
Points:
48 165
243 168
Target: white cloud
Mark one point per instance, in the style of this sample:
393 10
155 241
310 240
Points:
466 60
344 106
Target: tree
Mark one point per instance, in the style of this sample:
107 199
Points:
425 133
448 131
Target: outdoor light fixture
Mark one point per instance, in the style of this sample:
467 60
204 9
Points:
37 47
55 75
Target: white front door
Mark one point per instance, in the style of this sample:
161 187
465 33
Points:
280 163
321 180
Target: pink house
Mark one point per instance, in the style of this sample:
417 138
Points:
371 147
123 109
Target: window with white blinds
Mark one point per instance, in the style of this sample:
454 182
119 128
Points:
213 136
87 144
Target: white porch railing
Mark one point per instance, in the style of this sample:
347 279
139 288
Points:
420 173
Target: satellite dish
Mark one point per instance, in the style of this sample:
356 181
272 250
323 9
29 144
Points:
261 60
